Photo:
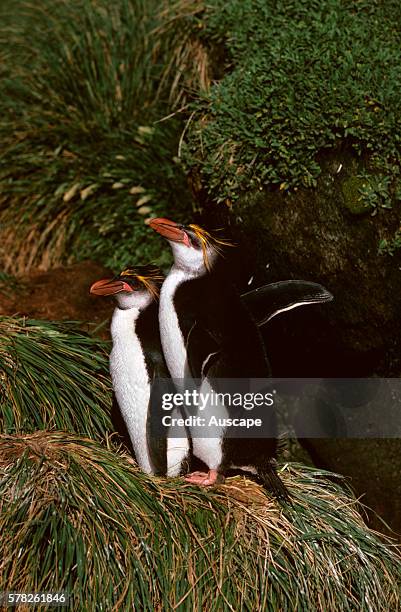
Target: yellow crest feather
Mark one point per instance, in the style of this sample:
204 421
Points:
207 240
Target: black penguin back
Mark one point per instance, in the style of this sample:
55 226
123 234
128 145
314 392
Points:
214 305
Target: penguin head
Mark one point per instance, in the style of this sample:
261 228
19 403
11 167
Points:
132 288
193 247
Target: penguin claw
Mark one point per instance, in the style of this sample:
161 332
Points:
204 479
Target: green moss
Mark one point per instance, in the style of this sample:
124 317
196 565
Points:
301 77
353 200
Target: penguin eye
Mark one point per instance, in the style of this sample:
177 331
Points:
195 242
130 280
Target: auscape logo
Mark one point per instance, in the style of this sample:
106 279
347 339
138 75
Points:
227 422
213 421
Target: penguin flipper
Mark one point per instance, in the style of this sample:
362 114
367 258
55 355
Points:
155 434
202 351
268 301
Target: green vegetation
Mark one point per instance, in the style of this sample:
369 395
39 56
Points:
88 155
389 247
53 376
84 519
353 189
93 142
83 162
300 77
8 283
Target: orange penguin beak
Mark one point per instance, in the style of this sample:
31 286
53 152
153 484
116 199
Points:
170 230
109 286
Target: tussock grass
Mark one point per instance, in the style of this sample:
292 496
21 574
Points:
189 70
53 376
85 519
85 160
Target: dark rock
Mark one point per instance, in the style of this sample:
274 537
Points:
328 236
373 467
311 234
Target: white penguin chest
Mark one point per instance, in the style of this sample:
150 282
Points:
131 382
171 336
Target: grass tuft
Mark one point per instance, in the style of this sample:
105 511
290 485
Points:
84 85
53 376
85 519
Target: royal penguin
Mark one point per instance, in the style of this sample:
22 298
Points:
138 369
208 333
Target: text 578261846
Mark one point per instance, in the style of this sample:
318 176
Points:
43 598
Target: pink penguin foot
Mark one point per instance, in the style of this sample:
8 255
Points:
204 479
